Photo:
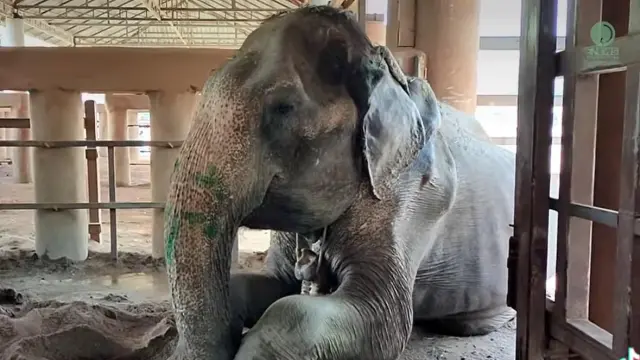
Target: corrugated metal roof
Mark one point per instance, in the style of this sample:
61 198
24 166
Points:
164 23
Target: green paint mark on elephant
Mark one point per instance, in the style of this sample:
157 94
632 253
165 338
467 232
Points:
171 233
210 230
211 180
194 218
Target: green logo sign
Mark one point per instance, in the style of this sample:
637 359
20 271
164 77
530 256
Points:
603 34
602 52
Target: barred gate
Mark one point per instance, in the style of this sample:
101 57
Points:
601 92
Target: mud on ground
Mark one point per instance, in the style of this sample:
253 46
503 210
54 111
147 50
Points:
102 309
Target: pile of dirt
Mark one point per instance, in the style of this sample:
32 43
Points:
53 330
13 259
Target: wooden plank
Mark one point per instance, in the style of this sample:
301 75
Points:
611 99
584 338
629 207
563 203
626 330
113 220
594 214
583 113
634 302
108 69
535 104
628 54
93 177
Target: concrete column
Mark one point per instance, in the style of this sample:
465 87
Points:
376 29
21 156
447 31
60 174
118 131
14 37
103 130
170 121
132 131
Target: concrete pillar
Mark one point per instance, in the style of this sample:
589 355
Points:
447 31
132 131
118 131
21 156
170 121
376 29
60 174
103 129
14 37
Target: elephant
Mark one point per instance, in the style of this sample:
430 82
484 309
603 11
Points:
310 127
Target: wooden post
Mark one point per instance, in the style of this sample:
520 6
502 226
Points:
535 120
93 177
606 194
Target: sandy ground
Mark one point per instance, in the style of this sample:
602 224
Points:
101 309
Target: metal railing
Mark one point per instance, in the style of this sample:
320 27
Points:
93 205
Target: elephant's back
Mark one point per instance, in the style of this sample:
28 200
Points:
465 270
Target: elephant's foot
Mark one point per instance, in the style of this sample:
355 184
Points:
473 323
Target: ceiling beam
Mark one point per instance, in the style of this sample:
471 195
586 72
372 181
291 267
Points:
158 14
6 10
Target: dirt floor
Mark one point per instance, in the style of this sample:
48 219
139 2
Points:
104 310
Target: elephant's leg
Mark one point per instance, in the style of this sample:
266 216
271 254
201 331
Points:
369 315
475 323
252 293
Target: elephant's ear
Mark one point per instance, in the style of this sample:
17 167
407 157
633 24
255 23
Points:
392 126
429 108
425 99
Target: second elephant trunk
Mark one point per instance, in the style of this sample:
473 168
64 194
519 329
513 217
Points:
211 191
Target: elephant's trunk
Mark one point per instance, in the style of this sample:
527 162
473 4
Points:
214 186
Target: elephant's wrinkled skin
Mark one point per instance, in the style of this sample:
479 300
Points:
308 126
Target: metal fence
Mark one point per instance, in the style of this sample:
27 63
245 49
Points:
93 178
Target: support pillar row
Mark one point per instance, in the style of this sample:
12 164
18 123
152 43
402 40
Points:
58 115
117 120
170 121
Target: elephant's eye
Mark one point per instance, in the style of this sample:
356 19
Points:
282 108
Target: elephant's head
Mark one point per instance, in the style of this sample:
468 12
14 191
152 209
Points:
286 133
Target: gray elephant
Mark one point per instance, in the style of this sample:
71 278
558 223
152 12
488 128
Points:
309 127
